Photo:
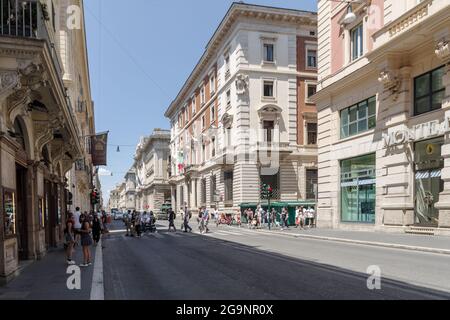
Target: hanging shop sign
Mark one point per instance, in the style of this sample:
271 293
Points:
421 131
99 149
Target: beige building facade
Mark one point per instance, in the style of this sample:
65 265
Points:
244 117
383 116
152 176
46 113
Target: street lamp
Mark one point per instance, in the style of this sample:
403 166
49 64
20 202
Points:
350 17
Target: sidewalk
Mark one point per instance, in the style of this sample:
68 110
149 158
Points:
46 279
432 244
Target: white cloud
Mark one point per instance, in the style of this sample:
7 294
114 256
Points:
103 172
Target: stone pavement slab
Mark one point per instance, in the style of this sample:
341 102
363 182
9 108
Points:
46 279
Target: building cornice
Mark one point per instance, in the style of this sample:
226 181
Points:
237 11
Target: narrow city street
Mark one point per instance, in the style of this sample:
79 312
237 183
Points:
240 264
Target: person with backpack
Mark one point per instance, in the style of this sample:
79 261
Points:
172 218
69 234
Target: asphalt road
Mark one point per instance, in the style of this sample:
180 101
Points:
238 264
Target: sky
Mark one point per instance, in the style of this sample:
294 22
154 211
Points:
140 54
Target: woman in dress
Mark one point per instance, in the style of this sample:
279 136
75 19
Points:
86 240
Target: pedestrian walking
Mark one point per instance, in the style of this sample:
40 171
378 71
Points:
186 219
86 241
96 229
273 216
69 234
284 219
105 222
172 217
298 216
138 224
250 218
127 221
183 215
268 215
205 220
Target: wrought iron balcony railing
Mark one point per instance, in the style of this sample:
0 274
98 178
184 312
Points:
26 19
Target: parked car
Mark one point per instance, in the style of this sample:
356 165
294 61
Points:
118 216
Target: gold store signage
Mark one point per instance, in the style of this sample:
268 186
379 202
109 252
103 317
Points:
421 131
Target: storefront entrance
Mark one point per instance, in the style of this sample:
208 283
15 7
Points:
428 168
22 221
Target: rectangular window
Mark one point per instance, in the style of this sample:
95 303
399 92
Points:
311 90
269 52
358 189
213 114
429 91
358 118
213 147
357 47
268 89
203 153
203 122
269 127
202 96
312 133
311 183
213 187
212 83
312 58
194 106
227 66
228 180
228 99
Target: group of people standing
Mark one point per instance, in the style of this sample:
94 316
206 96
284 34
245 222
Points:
83 229
304 218
135 222
273 218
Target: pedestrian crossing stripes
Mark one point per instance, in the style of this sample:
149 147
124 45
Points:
215 233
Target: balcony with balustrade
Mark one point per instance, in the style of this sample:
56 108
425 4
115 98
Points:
27 35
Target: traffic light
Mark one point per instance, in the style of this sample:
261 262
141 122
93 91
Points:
95 197
266 191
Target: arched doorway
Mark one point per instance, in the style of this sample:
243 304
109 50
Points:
22 188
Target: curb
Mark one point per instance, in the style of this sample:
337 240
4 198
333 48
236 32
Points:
98 287
365 243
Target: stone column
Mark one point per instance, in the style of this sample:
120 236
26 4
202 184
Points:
395 206
173 198
443 52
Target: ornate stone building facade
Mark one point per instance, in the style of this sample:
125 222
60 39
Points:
152 177
384 111
244 117
46 111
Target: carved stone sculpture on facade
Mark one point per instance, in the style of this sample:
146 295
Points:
242 83
390 82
